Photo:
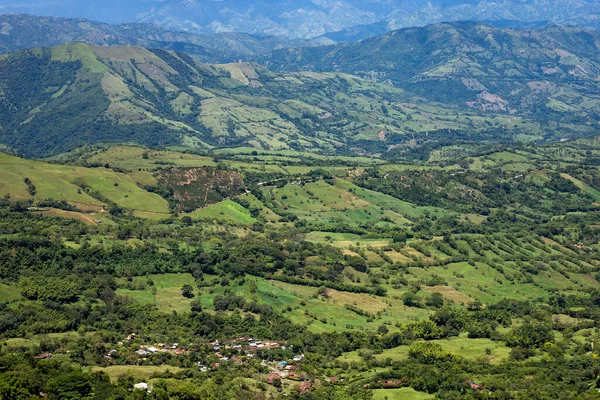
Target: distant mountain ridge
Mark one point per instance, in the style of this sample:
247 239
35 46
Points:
311 18
22 31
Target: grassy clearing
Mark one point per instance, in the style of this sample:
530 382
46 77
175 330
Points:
86 218
471 349
131 158
9 293
400 394
139 372
168 296
227 210
60 182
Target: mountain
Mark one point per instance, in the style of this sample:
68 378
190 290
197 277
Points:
310 18
53 100
551 72
22 31
362 32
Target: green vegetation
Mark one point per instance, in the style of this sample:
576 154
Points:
444 100
396 279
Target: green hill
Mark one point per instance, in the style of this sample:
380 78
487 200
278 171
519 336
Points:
549 74
56 99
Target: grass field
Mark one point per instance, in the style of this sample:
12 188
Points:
168 296
471 349
132 159
60 182
139 372
400 394
9 293
227 210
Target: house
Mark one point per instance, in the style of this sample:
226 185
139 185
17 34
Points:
272 377
475 386
178 352
45 356
290 367
112 354
282 364
152 350
236 360
141 352
299 357
305 387
334 379
142 386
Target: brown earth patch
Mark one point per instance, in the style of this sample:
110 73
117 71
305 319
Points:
449 293
198 187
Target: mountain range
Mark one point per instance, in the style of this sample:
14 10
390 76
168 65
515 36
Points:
471 65
310 18
23 31
399 91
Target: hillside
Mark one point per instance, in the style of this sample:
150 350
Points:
56 99
550 73
479 264
21 31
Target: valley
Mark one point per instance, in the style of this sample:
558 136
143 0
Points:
207 212
333 246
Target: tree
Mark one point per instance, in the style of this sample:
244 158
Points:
410 299
428 352
529 336
196 306
187 291
436 300
107 295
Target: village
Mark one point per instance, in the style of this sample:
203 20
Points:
280 372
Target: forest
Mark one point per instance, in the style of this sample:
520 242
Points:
469 277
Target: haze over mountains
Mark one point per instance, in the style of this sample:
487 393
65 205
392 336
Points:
310 18
22 31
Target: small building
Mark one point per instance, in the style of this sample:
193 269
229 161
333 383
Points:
272 377
282 364
141 352
45 356
142 386
475 386
305 387
334 379
152 350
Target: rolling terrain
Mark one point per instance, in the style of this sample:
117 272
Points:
418 89
487 258
551 71
92 94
